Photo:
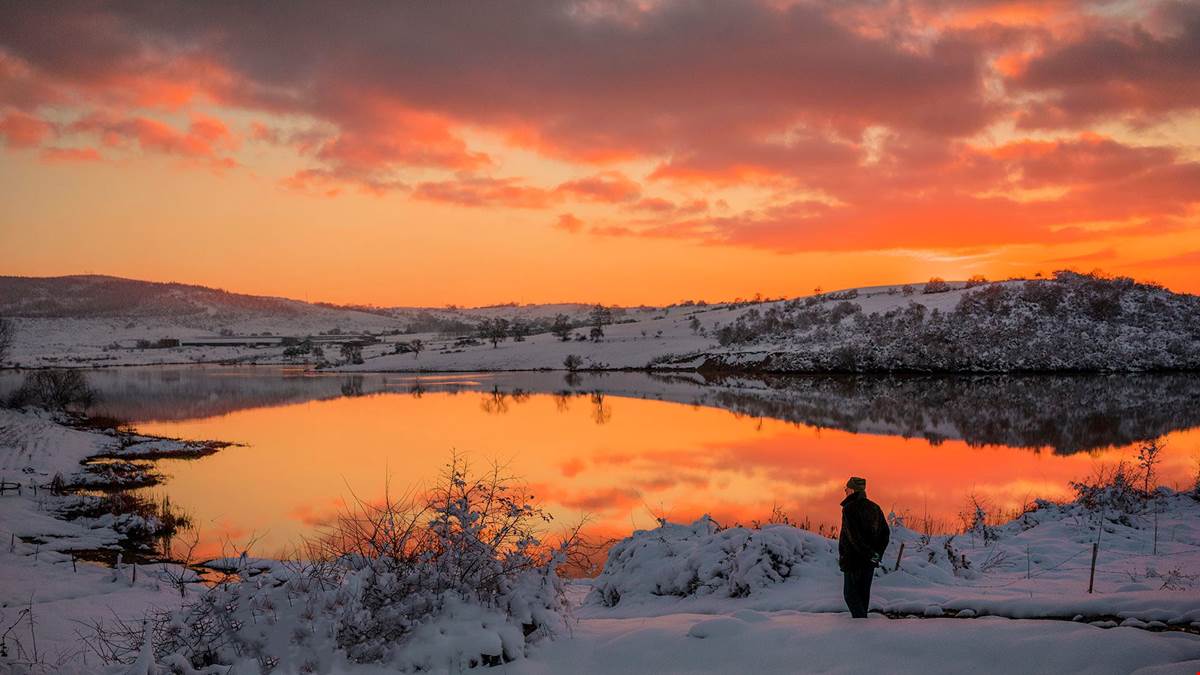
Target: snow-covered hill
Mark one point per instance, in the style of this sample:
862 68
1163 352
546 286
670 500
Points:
1071 322
97 320
1067 323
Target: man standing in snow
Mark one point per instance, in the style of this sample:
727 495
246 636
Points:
861 544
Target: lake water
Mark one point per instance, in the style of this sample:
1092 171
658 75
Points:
625 448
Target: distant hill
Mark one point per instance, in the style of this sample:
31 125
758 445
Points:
104 297
1066 323
211 309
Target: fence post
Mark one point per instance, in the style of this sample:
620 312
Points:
899 554
1092 576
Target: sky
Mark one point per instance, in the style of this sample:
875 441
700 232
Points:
617 152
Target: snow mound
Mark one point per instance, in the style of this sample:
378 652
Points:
702 559
717 628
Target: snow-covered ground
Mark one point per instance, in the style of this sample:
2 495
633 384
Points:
787 641
697 598
1067 323
39 579
638 337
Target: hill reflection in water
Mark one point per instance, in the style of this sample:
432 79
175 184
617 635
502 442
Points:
1065 414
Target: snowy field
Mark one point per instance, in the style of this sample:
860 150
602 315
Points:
679 598
1068 323
638 337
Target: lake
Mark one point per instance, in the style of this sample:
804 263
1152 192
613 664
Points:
625 448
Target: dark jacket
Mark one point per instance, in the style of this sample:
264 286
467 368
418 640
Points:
864 535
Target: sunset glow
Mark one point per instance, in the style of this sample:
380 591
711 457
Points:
619 462
640 152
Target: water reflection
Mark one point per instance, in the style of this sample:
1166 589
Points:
648 458
1066 414
627 447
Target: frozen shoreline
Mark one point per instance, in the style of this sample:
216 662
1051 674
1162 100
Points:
774 625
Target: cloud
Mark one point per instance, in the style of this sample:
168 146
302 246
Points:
610 187
858 125
555 76
21 130
966 197
205 138
484 192
71 155
569 223
1122 69
1185 259
1109 253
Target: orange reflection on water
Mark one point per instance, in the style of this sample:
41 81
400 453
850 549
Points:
623 461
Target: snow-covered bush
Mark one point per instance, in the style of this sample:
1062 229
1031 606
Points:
452 580
702 559
1111 489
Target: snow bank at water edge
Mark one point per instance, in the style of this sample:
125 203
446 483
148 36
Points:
1036 566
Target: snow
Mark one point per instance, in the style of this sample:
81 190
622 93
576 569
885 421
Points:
682 598
1036 567
1105 325
791 642
639 336
700 560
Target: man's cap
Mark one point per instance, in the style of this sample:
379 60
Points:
857 484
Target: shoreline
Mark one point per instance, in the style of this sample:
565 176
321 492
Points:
342 369
926 585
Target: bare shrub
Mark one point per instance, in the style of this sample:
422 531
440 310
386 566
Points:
1175 579
385 581
778 516
1148 459
935 285
975 520
996 559
57 389
1111 488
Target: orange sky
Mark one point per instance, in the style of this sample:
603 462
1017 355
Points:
419 154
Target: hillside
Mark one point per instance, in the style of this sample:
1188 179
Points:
1067 323
196 307
1070 322
96 320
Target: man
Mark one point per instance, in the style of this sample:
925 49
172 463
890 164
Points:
861 544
